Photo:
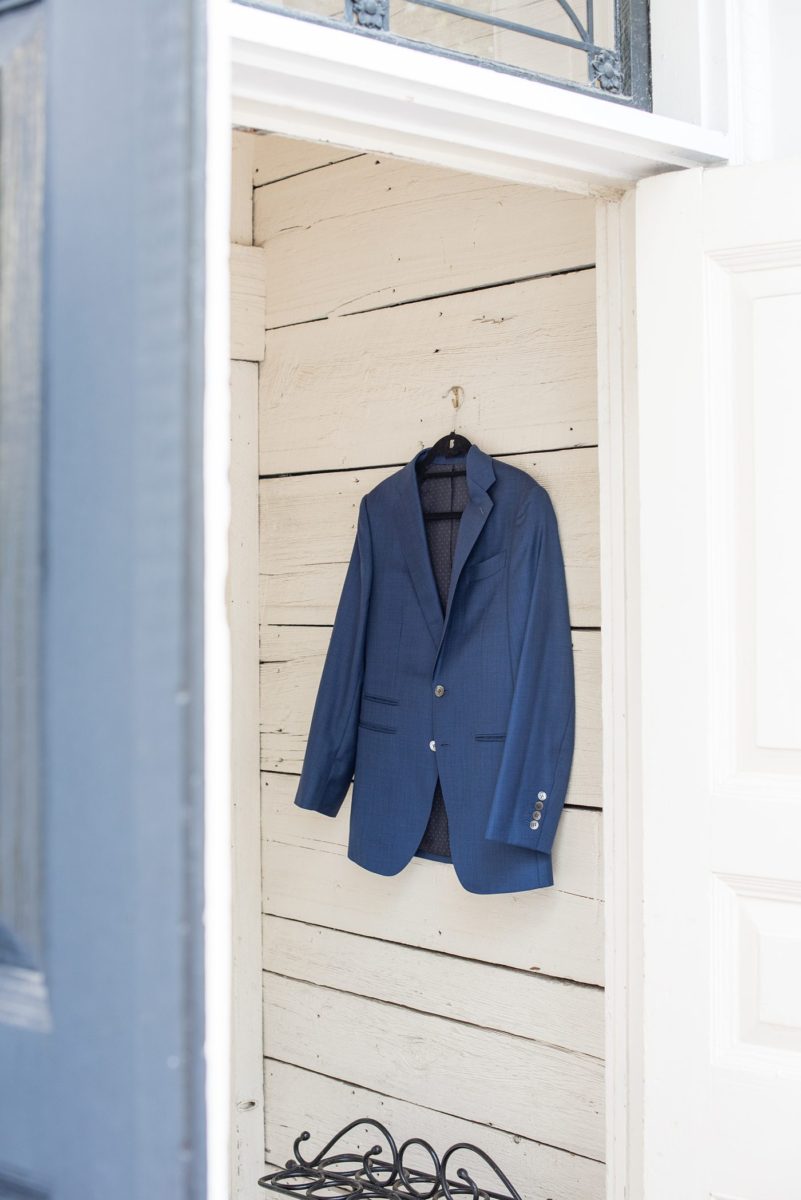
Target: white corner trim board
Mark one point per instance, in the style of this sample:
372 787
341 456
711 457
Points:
308 80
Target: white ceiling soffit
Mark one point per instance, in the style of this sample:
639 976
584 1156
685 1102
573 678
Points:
308 80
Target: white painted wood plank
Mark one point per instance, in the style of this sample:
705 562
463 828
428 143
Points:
243 601
276 157
545 930
298 1099
353 390
569 1015
308 524
577 848
290 677
481 1075
247 302
242 187
376 231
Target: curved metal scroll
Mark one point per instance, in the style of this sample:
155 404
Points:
383 1172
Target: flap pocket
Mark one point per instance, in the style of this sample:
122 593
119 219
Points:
376 727
379 707
487 566
377 699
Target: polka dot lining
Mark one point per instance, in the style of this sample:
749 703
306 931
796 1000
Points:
441 492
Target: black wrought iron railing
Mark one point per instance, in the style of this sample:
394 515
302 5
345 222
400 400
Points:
596 46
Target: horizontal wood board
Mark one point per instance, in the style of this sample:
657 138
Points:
478 1074
527 1005
276 157
321 1104
547 930
577 846
372 231
308 524
248 285
352 390
243 146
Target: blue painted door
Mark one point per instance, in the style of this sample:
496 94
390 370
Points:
101 310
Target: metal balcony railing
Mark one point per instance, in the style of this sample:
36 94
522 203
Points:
597 46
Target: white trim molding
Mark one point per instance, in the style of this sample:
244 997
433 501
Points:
691 44
622 825
312 81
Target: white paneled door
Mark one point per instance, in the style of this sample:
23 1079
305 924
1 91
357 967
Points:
719 331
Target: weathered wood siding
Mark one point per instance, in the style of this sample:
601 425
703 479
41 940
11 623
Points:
248 283
449 1015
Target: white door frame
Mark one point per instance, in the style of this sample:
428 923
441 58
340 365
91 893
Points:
307 80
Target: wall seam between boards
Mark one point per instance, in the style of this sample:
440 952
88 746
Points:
431 1108
568 980
429 299
596 987
427 1012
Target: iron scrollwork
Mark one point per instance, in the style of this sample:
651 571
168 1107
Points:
369 14
620 71
383 1172
606 70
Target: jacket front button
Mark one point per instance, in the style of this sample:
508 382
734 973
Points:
439 690
432 745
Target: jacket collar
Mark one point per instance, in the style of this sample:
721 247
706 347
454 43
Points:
414 542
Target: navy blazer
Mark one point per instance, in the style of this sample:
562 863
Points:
483 694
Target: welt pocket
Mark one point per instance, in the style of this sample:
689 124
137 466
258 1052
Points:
487 566
376 727
378 699
489 737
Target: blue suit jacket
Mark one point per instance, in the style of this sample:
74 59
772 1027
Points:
501 734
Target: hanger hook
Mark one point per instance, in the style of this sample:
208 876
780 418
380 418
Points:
456 394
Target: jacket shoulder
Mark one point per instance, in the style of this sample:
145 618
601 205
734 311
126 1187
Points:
380 496
529 498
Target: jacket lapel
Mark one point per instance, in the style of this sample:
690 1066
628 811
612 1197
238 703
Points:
480 476
414 542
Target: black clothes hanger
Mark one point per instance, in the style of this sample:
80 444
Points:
452 445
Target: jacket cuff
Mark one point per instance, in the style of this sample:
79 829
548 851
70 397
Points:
326 800
533 827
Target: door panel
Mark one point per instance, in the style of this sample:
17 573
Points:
719 314
102 111
25 1008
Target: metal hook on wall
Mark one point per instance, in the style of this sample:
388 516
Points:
456 394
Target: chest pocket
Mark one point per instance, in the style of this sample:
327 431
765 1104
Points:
486 567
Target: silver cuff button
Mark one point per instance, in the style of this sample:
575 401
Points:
533 824
542 795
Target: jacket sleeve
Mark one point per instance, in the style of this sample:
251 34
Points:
330 756
538 748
